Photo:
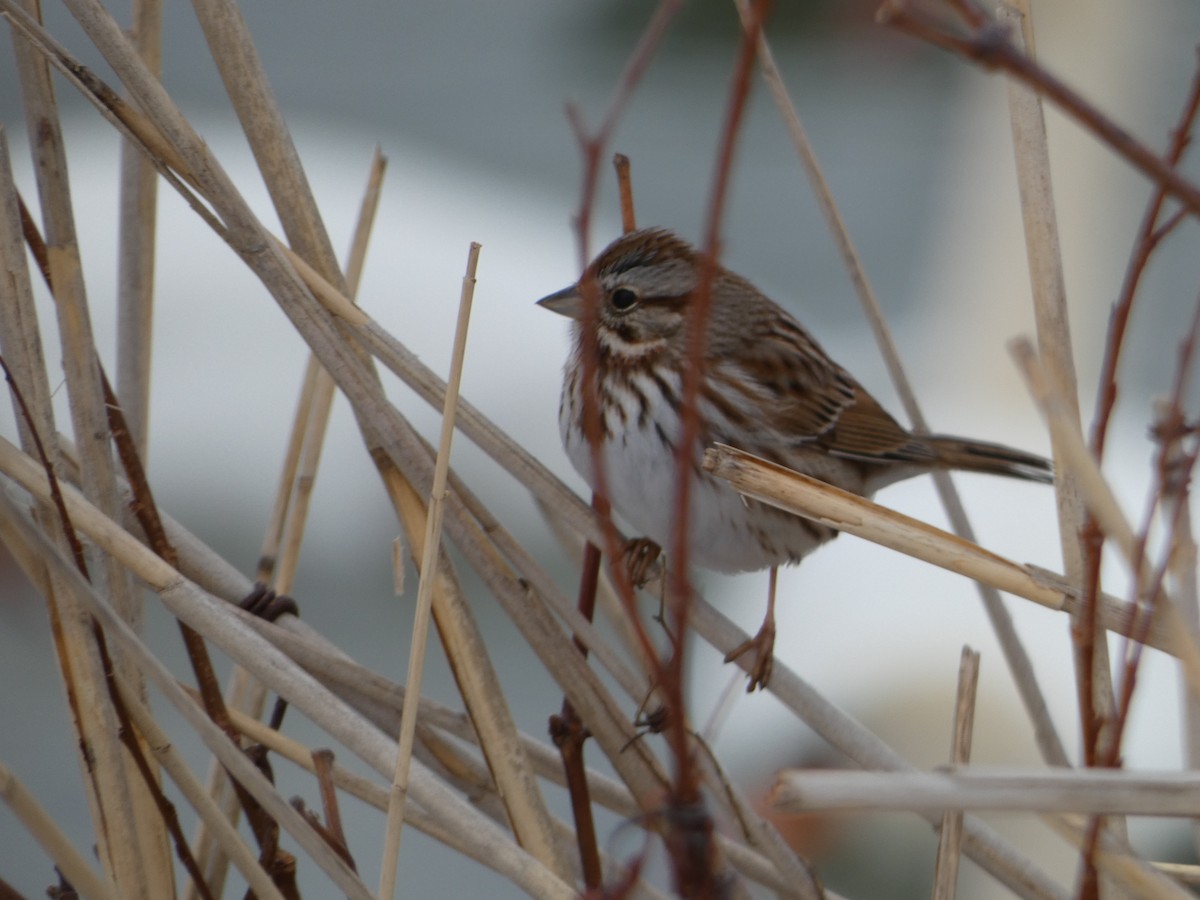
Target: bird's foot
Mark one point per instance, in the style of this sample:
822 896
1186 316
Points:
763 647
642 561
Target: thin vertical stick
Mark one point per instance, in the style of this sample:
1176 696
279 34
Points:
945 882
135 255
567 730
1093 675
1054 335
433 536
625 189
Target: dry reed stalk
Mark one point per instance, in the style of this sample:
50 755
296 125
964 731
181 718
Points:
1133 877
808 497
136 252
39 823
510 862
1092 668
985 788
276 530
492 722
366 690
945 881
429 561
320 399
1181 872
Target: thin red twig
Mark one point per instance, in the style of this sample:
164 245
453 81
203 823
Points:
989 45
568 731
680 593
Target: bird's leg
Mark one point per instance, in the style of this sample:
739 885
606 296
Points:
763 643
645 564
641 560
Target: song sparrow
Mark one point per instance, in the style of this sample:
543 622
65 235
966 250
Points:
766 387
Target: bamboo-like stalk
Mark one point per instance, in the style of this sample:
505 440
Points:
352 681
39 823
250 94
429 566
1015 654
945 880
1031 150
805 496
467 652
136 252
970 788
376 795
320 399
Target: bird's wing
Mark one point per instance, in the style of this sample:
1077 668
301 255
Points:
866 431
805 394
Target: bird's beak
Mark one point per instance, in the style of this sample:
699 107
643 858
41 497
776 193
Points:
566 302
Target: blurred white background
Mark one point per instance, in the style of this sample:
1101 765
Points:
467 100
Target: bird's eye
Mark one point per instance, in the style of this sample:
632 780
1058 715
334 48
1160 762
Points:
623 299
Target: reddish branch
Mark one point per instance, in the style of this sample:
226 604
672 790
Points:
987 43
567 730
593 147
686 822
690 837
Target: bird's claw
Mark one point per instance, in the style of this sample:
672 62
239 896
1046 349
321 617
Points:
763 645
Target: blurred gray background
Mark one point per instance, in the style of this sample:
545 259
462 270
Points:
467 100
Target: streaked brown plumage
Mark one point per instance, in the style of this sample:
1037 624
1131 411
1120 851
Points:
767 388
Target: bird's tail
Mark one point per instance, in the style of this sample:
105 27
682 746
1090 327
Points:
981 456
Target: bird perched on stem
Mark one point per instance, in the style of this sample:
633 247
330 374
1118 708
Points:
766 387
